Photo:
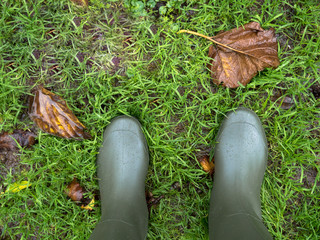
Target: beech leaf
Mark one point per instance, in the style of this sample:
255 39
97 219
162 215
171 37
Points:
75 191
240 53
52 115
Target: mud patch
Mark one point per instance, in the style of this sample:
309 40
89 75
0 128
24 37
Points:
203 150
180 128
10 163
308 177
315 90
10 152
283 101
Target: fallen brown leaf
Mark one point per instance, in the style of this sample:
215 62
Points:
52 115
75 191
240 53
206 164
10 141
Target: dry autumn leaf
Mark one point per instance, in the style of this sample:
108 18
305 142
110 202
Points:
52 115
10 141
240 53
206 164
75 191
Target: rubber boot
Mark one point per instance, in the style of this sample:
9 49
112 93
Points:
240 162
122 168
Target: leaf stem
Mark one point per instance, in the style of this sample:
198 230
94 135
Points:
212 40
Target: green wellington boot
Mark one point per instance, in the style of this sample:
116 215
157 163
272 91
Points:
240 162
122 168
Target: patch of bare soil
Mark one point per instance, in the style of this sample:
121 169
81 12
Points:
10 152
315 89
8 161
309 177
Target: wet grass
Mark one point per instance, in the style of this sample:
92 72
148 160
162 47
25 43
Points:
106 62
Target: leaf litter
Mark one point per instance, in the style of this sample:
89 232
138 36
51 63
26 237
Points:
238 54
52 115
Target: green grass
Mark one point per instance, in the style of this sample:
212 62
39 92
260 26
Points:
162 80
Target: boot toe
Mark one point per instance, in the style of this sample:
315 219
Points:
243 116
124 123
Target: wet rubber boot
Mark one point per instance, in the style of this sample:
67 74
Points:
122 168
240 162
